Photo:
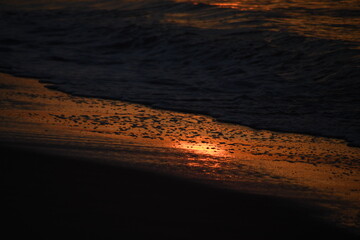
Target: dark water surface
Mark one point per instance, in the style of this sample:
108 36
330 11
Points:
280 65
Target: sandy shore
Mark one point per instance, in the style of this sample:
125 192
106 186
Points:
144 152
48 197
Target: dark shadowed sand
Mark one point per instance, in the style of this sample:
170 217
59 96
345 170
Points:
48 197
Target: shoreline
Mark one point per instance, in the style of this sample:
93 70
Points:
338 137
316 170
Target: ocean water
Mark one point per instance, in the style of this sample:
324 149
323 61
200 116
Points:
269 64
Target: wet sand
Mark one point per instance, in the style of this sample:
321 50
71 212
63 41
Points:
133 144
50 197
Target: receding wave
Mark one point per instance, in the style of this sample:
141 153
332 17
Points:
239 65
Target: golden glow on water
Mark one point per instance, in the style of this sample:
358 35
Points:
322 19
240 5
188 145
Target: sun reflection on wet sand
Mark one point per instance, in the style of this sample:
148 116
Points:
192 146
201 147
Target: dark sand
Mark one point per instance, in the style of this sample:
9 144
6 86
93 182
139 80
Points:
48 197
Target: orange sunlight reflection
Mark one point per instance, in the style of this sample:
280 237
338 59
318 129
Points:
201 148
240 6
188 145
307 18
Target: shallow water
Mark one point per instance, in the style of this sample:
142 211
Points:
281 65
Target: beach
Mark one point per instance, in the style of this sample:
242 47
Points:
86 178
180 119
51 197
